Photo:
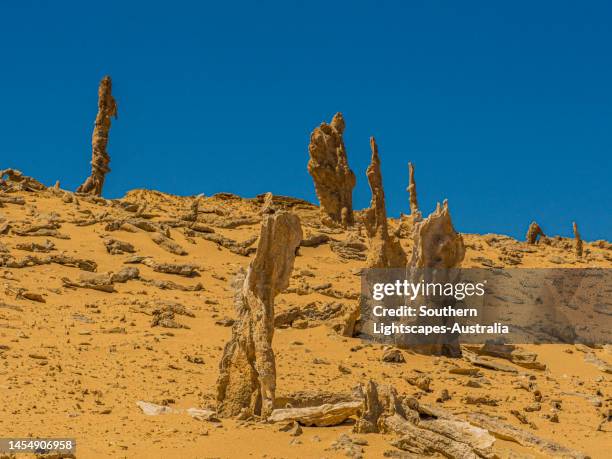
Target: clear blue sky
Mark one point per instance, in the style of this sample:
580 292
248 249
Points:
504 107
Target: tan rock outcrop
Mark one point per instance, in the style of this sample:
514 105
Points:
385 250
533 233
247 380
333 179
107 108
578 240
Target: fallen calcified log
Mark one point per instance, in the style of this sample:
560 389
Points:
116 247
489 364
427 442
65 260
315 240
169 285
533 233
168 244
508 432
305 399
509 352
185 270
382 412
239 248
602 365
333 179
153 409
320 416
107 108
385 250
247 379
101 282
35 247
12 200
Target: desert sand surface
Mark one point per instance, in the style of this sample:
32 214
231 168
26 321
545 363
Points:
80 345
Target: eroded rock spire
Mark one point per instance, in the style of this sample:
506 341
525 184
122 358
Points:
578 240
385 250
107 108
247 380
333 179
415 213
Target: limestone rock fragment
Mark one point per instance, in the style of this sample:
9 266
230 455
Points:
533 233
385 250
333 179
107 108
247 380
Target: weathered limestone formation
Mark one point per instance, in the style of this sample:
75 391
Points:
14 180
328 166
533 233
436 243
107 107
247 380
578 240
385 250
437 250
415 213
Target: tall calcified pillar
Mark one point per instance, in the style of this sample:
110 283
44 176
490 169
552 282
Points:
107 108
333 179
578 240
247 379
437 251
533 233
385 250
415 213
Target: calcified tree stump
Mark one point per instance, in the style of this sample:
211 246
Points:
247 379
385 250
333 179
437 250
533 233
436 243
415 213
107 108
578 240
